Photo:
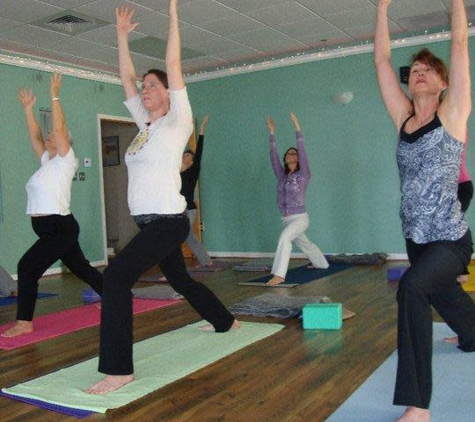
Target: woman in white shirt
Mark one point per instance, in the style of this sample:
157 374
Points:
49 195
163 115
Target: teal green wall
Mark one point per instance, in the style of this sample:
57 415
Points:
82 101
353 196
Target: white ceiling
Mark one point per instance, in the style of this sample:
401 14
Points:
215 34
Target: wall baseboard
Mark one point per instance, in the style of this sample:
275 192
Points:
61 270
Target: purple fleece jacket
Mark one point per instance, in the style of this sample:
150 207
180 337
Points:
291 187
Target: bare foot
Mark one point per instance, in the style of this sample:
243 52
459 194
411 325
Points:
21 327
209 264
275 280
462 278
415 414
209 327
110 383
162 278
452 340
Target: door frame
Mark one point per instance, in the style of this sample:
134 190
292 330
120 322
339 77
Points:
100 119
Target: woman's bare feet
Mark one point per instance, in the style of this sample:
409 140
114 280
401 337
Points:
208 264
21 327
209 327
452 340
462 278
110 383
415 414
275 280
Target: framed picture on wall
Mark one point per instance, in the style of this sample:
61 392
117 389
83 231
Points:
110 151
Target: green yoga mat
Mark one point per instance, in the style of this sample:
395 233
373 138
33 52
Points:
158 361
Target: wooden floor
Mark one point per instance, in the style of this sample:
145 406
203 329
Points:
294 375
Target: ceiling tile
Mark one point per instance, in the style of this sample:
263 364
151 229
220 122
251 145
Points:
431 20
240 55
409 8
326 7
67 4
283 13
30 35
107 35
353 18
327 39
247 5
234 24
193 35
217 46
7 24
306 27
153 23
207 62
200 11
26 10
267 40
105 9
160 5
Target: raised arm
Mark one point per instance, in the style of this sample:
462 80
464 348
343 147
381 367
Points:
457 104
27 100
274 158
173 55
58 121
125 26
396 101
303 161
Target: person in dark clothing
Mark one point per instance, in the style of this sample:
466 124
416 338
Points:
190 172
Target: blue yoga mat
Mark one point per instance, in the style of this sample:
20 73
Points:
70 411
453 388
299 275
12 299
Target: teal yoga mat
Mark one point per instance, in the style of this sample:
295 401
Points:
453 388
158 361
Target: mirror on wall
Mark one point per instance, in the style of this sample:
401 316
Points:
45 121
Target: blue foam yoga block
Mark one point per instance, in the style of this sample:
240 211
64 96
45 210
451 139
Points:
395 273
324 316
90 296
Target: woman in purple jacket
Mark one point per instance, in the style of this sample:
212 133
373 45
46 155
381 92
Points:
292 180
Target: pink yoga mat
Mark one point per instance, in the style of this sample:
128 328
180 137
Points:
64 322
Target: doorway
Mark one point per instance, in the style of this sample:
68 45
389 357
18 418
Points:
115 134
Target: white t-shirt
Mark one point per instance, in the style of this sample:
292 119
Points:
155 155
49 189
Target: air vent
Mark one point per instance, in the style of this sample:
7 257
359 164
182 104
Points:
69 23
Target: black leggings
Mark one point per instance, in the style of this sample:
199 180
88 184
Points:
58 239
158 242
430 280
465 195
